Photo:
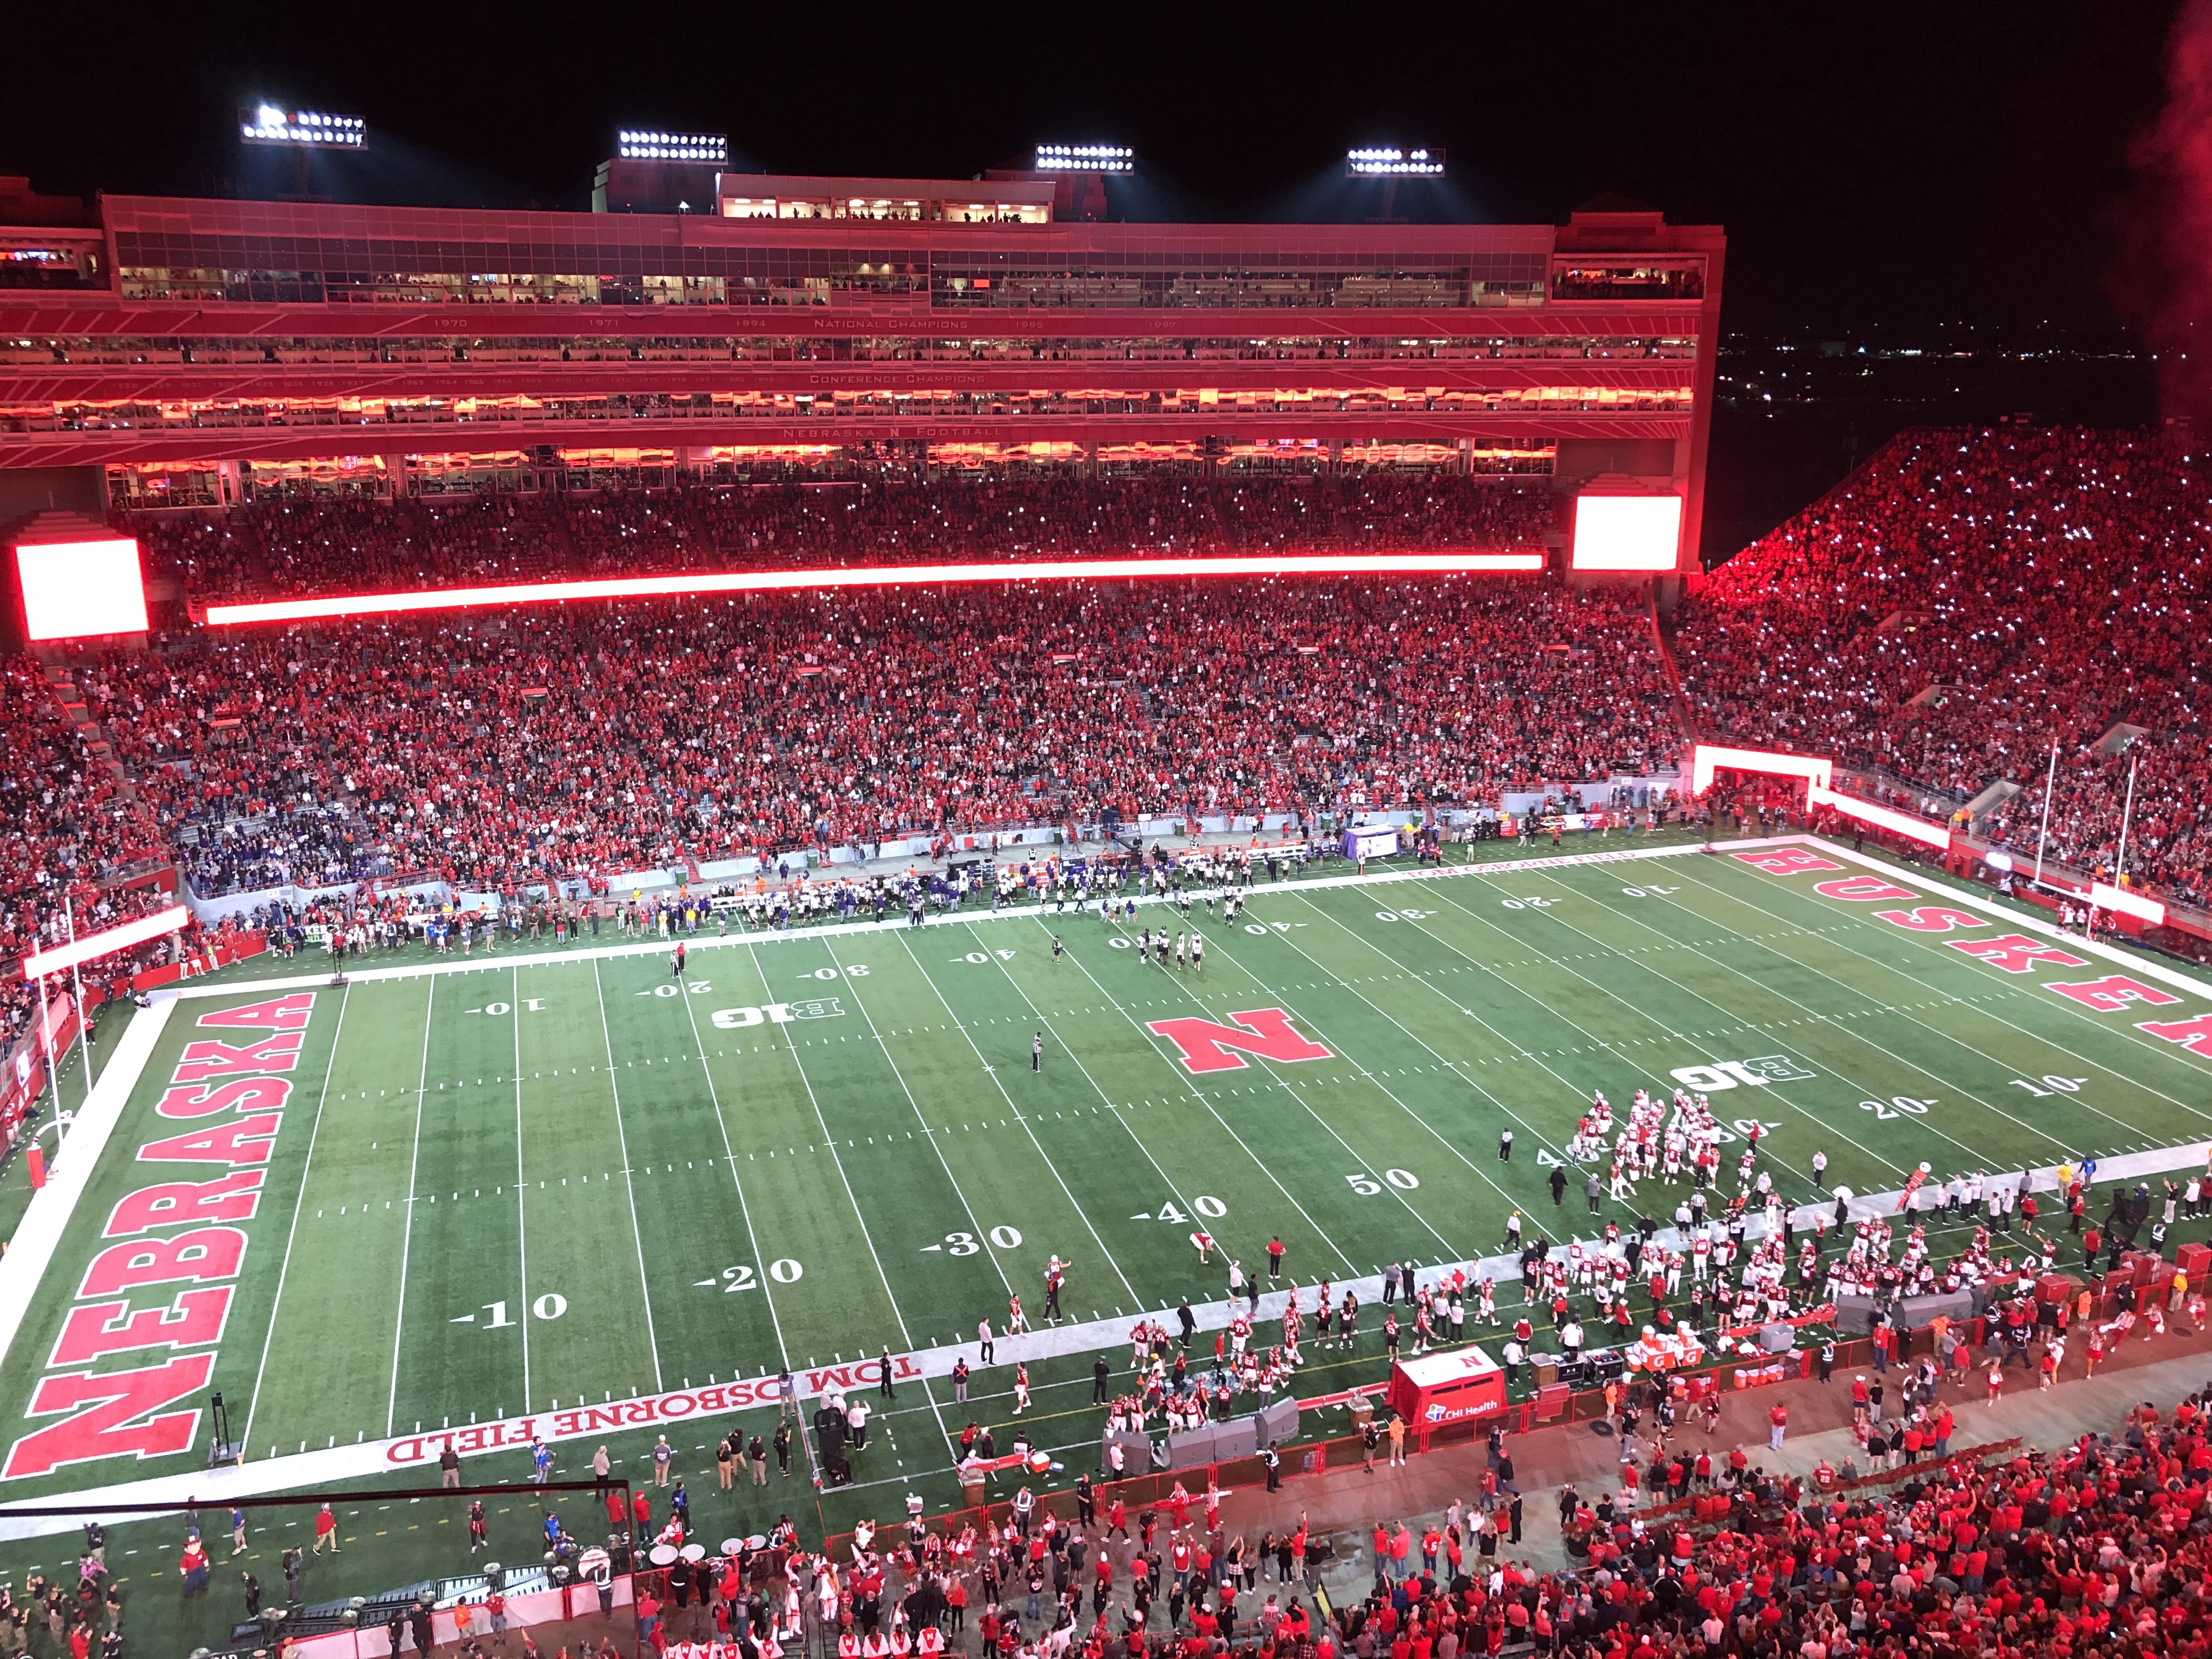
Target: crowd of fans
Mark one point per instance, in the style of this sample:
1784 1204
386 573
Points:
68 826
573 739
286 547
1968 599
2097 1545
1961 605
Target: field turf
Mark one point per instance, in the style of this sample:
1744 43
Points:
550 1179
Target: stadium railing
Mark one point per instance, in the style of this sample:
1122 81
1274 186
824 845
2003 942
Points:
179 1581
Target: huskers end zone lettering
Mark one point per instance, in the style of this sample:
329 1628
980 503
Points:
1786 860
2194 1035
1204 1046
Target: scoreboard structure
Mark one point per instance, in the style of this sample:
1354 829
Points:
75 579
202 352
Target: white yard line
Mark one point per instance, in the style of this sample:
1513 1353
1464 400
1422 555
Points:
1121 1118
1666 1085
1274 1074
752 1238
2067 1008
1043 1157
2050 930
829 1142
1826 1020
308 1470
982 1233
730 1154
1996 912
298 1203
22 1268
407 1227
1452 1065
1375 1078
1956 1041
1662 1085
629 1181
521 1202
1197 1094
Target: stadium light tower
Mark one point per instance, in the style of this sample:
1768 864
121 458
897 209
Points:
654 170
302 131
1389 163
709 148
1085 158
268 124
1080 171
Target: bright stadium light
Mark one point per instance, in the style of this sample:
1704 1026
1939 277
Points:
1706 758
893 575
1882 817
1387 161
2106 897
76 590
1085 158
652 146
1627 533
266 123
92 946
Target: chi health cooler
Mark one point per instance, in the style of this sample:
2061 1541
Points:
1438 1389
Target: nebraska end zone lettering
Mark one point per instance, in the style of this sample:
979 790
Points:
149 1293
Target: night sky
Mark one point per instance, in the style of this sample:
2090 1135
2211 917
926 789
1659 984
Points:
1890 166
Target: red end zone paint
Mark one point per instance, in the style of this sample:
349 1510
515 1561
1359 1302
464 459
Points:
149 1293
1205 1046
1858 889
2015 953
1785 861
1933 919
2112 993
2194 1035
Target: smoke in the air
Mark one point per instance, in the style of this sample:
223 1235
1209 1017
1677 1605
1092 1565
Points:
2163 282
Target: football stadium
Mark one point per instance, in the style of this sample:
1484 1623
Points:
871 915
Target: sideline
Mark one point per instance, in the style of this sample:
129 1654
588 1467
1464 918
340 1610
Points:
39 1235
696 944
19 1271
297 1471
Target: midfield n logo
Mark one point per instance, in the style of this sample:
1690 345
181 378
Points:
1207 1047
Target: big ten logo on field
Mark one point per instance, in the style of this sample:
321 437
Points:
1205 1046
777 1013
1727 1074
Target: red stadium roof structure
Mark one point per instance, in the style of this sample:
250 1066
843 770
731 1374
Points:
187 351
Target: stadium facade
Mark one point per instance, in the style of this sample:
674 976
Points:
185 352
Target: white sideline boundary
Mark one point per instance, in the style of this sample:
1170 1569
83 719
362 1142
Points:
39 1235
166 1493
696 944
2134 964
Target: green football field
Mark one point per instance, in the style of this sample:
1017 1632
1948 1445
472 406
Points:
498 1193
